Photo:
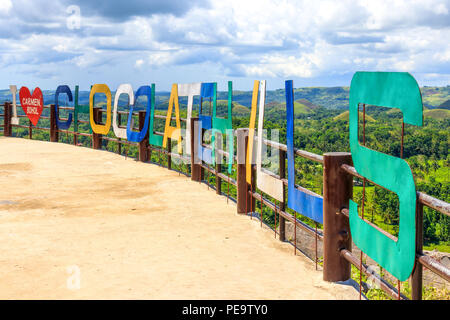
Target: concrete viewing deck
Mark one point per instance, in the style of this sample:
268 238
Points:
132 230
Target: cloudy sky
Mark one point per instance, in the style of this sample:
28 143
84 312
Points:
315 43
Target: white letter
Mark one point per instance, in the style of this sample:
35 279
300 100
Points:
74 280
74 20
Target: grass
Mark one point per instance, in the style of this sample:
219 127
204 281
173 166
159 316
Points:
440 246
374 293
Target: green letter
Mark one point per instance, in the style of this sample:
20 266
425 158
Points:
393 90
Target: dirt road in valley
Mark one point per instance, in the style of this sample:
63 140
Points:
130 230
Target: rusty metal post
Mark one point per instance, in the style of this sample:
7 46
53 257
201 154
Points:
337 191
252 189
202 175
196 172
119 145
416 276
7 120
54 135
96 137
282 222
75 127
218 144
143 145
218 180
243 197
169 151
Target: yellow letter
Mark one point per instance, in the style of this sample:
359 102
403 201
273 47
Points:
100 128
173 132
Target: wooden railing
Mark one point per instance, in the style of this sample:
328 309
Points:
338 176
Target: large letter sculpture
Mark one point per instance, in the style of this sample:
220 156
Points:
153 139
169 131
307 204
189 90
127 89
225 127
393 90
99 128
251 133
265 182
77 110
215 125
14 118
139 136
62 125
208 90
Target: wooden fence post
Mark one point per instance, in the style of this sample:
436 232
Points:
337 191
196 169
243 198
143 145
54 135
7 119
416 276
96 137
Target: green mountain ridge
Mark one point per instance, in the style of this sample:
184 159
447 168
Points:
438 114
330 98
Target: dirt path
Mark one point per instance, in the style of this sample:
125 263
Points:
130 230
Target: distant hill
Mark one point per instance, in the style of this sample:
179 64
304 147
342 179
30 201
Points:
307 104
327 97
306 99
395 111
301 107
438 114
445 105
434 97
344 117
239 110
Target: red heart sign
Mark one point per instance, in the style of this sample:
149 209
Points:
32 104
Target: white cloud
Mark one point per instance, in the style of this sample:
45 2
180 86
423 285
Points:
259 38
162 58
139 63
5 6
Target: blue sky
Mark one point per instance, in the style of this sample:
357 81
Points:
315 43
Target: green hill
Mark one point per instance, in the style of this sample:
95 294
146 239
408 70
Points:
240 111
435 96
438 114
327 97
301 107
307 104
445 105
394 111
344 117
